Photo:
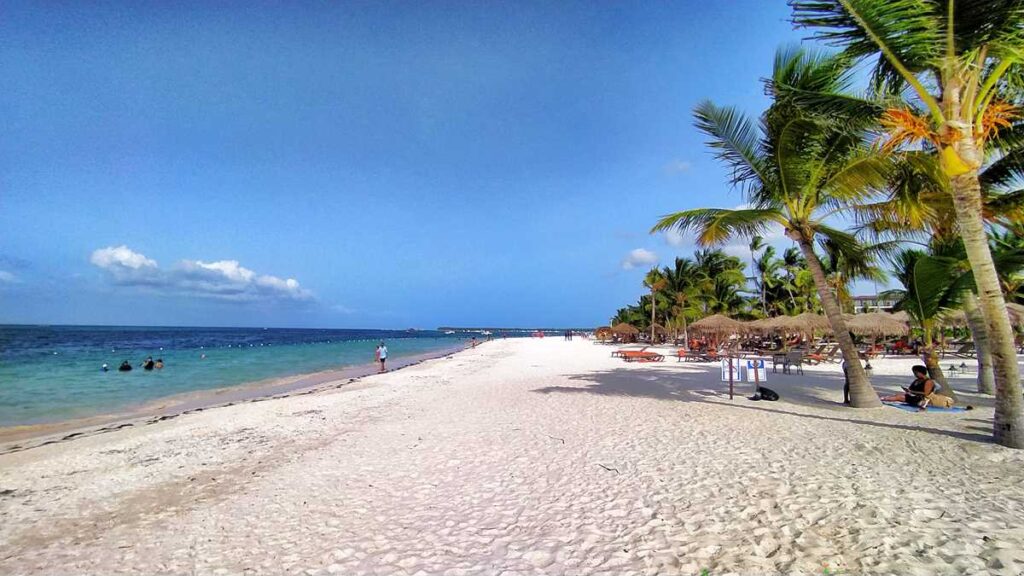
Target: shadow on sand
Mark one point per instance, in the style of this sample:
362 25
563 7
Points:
701 383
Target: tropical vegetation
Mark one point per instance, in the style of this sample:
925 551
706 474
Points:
947 78
927 158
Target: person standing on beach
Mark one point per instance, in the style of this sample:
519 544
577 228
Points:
382 355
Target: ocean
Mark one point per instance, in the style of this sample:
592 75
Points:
53 373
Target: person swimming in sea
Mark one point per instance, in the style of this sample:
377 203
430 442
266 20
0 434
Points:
105 368
124 367
148 364
159 364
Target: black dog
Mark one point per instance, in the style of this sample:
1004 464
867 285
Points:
765 394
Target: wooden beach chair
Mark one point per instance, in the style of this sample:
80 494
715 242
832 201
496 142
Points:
642 356
795 358
778 359
621 351
966 350
688 355
828 355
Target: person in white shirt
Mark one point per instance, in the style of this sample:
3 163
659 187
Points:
383 356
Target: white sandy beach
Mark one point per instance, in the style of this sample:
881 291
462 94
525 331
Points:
528 457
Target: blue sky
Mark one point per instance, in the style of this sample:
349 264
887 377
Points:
357 164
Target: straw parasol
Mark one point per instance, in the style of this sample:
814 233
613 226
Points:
603 332
761 325
623 328
659 329
957 317
877 324
718 324
805 322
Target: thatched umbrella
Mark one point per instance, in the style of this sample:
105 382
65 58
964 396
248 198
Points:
625 330
805 322
603 332
718 324
877 324
958 318
761 325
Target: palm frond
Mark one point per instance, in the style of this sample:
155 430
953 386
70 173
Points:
736 141
1005 171
717 225
863 175
909 29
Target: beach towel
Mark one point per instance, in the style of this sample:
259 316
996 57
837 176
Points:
909 408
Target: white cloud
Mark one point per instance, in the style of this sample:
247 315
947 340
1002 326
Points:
674 238
8 278
639 257
120 257
677 166
222 280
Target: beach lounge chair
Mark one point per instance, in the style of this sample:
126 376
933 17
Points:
621 351
966 350
828 355
778 359
689 355
641 356
794 359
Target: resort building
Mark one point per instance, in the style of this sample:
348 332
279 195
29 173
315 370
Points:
873 303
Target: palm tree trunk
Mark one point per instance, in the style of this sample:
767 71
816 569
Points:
862 395
931 361
653 309
976 322
1008 424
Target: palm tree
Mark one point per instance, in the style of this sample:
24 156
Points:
756 245
796 171
919 205
843 267
959 63
932 283
684 288
655 281
722 279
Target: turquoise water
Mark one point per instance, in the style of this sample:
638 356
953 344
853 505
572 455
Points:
54 373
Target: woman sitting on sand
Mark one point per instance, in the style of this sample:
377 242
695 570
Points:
922 392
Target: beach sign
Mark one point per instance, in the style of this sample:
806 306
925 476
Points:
755 371
732 369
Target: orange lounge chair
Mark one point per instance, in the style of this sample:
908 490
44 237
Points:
641 356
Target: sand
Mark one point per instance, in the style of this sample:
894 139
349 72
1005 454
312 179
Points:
528 457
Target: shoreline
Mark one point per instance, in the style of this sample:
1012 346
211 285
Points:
23 437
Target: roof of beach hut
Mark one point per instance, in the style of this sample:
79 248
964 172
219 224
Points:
958 318
802 322
659 329
761 325
812 321
718 324
623 328
877 324
953 318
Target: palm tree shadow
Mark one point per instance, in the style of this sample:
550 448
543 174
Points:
696 385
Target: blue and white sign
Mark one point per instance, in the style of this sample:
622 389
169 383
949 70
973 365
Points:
755 371
735 366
